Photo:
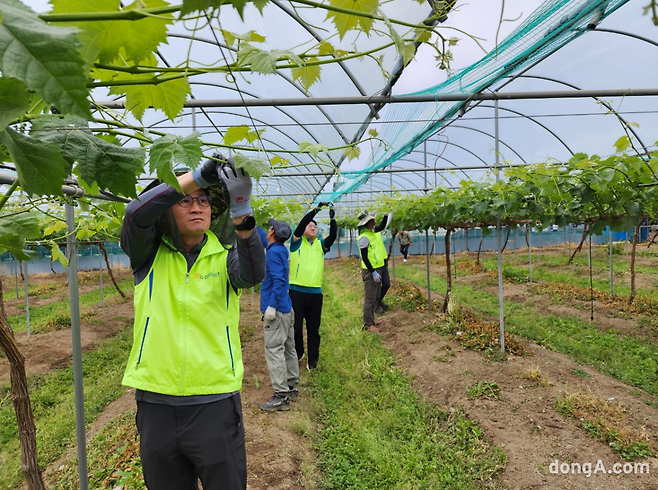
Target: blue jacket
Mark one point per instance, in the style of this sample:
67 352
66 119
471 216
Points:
274 289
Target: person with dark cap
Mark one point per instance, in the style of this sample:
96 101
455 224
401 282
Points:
278 318
306 273
373 260
186 359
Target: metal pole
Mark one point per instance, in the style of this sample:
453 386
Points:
16 275
427 262
100 270
530 252
27 302
612 285
74 299
500 255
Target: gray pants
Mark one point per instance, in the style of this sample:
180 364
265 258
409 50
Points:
280 353
372 292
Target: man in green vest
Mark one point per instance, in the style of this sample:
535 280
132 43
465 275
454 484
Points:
306 272
373 259
186 359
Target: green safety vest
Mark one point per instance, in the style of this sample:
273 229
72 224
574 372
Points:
186 339
376 249
307 264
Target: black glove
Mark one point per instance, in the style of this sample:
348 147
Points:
324 204
207 173
332 213
238 185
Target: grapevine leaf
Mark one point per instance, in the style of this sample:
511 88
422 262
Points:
260 4
57 254
255 167
230 37
408 52
622 144
352 152
44 57
201 5
373 133
92 33
262 61
170 150
138 38
169 96
347 22
25 225
326 48
40 166
235 134
14 100
54 228
306 74
14 244
4 154
313 149
114 167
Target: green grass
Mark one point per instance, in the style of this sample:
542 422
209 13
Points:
41 318
377 433
631 360
53 404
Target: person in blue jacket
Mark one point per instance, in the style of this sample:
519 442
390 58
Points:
278 318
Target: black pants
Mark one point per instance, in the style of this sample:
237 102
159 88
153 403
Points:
307 307
404 250
386 281
179 444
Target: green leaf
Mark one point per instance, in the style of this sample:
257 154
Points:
54 228
347 22
622 144
255 167
373 133
170 150
56 254
306 74
326 48
115 168
25 225
44 57
40 166
170 96
260 4
352 152
235 134
408 53
313 149
230 37
138 38
14 100
261 61
14 244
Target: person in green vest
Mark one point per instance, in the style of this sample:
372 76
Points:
373 261
186 359
306 272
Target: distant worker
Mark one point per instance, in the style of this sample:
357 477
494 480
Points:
405 241
186 358
306 274
386 278
278 317
373 256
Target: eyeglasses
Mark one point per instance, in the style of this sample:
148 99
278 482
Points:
202 201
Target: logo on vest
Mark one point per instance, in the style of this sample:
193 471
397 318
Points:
209 275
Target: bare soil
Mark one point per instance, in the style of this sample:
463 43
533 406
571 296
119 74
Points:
523 421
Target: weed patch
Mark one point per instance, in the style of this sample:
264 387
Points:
484 389
605 421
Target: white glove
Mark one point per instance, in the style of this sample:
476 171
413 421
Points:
376 277
270 313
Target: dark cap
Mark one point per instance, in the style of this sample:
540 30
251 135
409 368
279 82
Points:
282 229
